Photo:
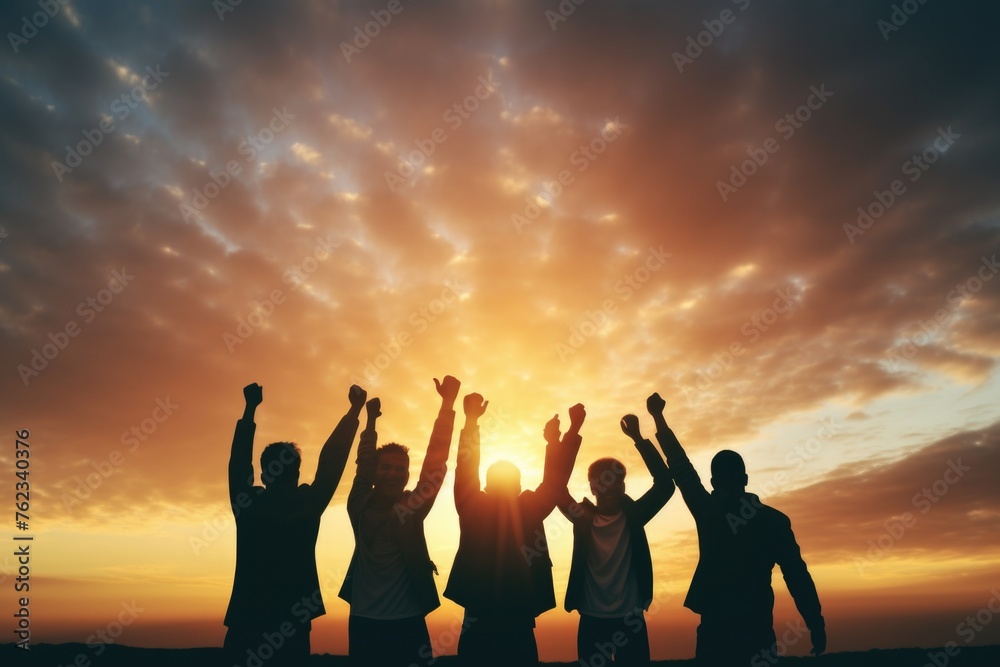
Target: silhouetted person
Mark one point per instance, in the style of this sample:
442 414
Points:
390 582
276 588
611 576
740 540
502 573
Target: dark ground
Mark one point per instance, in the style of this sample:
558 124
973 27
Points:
79 655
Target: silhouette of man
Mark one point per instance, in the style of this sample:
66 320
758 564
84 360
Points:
611 576
731 587
390 582
276 587
502 573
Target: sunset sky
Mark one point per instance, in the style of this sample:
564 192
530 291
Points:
554 208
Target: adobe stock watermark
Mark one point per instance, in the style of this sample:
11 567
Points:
223 7
295 275
898 17
454 116
604 654
213 528
221 522
272 640
31 25
120 109
792 635
929 328
249 148
59 340
444 642
915 167
967 629
366 32
624 288
104 468
786 126
98 642
895 529
492 420
697 44
786 300
298 273
419 321
562 12
798 457
581 158
540 545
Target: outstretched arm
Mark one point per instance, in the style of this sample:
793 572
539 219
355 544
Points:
692 490
560 457
570 508
566 503
467 482
435 465
333 457
800 585
663 481
241 454
364 478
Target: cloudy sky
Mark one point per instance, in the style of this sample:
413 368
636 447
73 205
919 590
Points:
782 216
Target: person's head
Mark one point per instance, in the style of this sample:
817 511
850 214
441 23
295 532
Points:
279 465
503 480
607 483
729 473
392 469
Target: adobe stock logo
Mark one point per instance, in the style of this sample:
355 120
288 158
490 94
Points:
60 339
38 20
915 167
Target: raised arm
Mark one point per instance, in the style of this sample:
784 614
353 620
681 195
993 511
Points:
241 454
800 584
566 503
435 466
467 482
333 457
560 457
364 478
685 476
656 497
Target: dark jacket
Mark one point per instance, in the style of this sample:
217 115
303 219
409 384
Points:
276 577
502 567
740 541
410 510
637 515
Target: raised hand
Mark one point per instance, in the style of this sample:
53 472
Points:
356 395
655 404
448 388
474 405
551 431
253 394
630 427
577 414
374 409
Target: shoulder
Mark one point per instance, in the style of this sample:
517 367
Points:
628 505
406 505
775 516
582 512
305 493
